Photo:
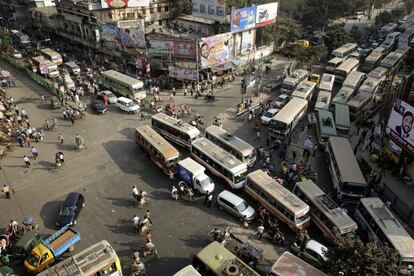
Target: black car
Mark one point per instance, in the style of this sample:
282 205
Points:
70 209
99 106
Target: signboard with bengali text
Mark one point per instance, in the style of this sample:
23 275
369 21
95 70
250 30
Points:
116 4
182 73
216 50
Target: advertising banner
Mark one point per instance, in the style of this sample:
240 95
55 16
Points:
400 125
266 14
243 19
178 47
182 73
43 69
210 9
127 33
116 4
216 50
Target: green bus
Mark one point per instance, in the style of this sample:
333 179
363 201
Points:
215 259
123 84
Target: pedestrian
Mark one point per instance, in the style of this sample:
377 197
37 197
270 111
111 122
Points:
294 155
28 141
64 114
185 91
19 120
173 91
209 199
148 237
6 191
21 140
147 215
257 135
260 231
35 153
27 123
26 161
42 99
142 116
60 138
172 177
72 120
268 140
171 97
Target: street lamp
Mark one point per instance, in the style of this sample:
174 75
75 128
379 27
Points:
44 40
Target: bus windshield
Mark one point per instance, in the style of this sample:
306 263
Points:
171 162
280 126
302 218
353 189
240 177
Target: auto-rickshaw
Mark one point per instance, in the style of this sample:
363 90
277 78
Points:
55 103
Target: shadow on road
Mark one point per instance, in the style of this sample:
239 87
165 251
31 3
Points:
127 156
49 213
128 132
122 202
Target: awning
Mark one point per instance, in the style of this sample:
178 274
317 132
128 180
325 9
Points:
228 66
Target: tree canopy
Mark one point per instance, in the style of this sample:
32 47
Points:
352 257
336 37
384 18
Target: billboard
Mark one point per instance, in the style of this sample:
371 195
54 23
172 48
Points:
210 9
243 19
216 50
182 73
116 4
400 125
266 14
128 33
178 47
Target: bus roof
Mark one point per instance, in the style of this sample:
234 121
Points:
343 95
189 270
234 141
344 48
331 210
156 140
124 78
353 79
86 262
369 85
217 258
295 76
395 232
389 27
224 157
290 265
290 110
49 51
303 89
378 72
359 99
177 124
283 195
375 56
326 123
346 161
342 120
347 65
323 100
327 81
335 60
391 59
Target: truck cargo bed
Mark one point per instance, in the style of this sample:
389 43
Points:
62 239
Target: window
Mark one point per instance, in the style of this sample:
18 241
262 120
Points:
158 9
166 8
130 15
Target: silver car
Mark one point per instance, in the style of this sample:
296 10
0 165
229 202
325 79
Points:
235 205
111 96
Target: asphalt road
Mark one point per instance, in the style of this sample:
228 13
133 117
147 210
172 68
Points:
105 173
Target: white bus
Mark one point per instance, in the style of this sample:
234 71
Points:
332 220
175 130
342 119
349 65
374 217
333 64
348 180
370 85
323 101
233 144
392 61
354 80
387 29
219 162
123 84
373 59
358 104
345 50
343 96
278 200
378 73
292 81
327 82
98 259
288 117
52 56
406 37
304 90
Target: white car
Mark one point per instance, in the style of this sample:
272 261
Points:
111 96
268 116
17 54
282 100
235 205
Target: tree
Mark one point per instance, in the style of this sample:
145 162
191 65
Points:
356 35
397 13
336 37
352 257
409 4
384 18
310 55
286 29
181 7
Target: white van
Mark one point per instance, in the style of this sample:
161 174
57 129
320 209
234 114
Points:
69 83
127 105
235 205
73 68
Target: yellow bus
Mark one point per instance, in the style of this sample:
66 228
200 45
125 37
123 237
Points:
215 259
98 259
161 152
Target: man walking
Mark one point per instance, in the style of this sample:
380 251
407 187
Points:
60 138
209 199
6 191
147 215
260 231
142 116
35 152
26 161
257 135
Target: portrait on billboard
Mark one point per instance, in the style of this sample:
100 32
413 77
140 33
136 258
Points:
400 124
243 19
216 50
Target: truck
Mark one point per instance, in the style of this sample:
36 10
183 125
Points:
194 174
50 249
